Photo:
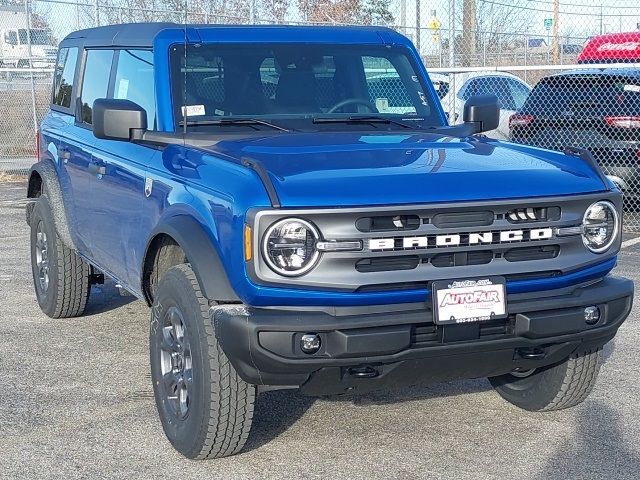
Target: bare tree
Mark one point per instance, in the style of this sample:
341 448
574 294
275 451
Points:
275 10
497 24
359 12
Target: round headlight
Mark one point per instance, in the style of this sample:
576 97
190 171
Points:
289 247
600 226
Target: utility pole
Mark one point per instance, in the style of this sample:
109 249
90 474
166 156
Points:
601 24
468 31
555 49
418 26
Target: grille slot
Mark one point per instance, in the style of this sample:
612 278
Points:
480 257
526 254
463 219
388 223
530 215
385 264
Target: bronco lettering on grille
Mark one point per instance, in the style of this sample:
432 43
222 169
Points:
459 239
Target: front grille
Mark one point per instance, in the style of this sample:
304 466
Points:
407 247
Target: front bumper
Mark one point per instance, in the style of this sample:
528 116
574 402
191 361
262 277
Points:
365 348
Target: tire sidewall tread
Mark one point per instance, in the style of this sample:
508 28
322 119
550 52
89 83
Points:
69 275
221 412
553 388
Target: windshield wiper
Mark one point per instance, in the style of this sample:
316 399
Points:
251 122
361 119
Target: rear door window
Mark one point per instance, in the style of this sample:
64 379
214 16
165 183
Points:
64 76
95 81
134 81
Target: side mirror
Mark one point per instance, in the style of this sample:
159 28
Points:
483 112
116 119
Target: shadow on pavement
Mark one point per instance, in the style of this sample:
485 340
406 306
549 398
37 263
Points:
596 450
275 412
106 297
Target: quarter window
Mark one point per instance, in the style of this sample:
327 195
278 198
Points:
95 80
64 76
134 81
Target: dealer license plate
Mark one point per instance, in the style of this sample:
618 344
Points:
463 301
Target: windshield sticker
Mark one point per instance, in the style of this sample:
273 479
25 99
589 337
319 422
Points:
123 88
632 88
414 78
382 104
193 110
422 98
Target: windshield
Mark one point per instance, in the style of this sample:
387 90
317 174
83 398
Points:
297 84
38 37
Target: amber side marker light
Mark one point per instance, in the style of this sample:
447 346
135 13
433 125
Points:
247 243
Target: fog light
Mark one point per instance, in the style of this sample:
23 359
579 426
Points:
591 315
310 343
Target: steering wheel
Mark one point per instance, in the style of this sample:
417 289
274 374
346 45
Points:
353 101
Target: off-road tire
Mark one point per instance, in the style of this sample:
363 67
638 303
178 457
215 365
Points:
68 284
220 410
557 387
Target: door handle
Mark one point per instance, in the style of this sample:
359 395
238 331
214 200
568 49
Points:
63 153
97 168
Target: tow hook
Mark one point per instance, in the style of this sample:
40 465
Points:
534 353
364 371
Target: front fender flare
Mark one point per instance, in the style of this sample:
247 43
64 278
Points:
201 254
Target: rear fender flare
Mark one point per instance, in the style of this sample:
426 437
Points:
48 175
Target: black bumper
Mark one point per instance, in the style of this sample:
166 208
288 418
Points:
365 348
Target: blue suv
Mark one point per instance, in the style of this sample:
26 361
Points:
293 224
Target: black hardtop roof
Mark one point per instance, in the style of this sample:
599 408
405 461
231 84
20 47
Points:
143 34
122 35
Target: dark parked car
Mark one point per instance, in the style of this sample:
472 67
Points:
598 110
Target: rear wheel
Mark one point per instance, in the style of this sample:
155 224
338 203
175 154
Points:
205 408
551 388
61 277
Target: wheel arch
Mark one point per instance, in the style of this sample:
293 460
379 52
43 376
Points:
190 237
43 178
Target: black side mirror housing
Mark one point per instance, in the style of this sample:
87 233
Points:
117 119
482 112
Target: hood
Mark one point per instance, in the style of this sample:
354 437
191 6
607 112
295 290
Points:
359 169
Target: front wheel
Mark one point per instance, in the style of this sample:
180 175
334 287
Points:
205 408
551 388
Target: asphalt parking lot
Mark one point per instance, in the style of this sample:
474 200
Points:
76 402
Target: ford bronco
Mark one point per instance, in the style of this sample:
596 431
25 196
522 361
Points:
294 224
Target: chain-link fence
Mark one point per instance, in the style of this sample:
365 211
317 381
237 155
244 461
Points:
566 72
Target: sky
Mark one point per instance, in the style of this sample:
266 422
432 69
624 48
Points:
580 17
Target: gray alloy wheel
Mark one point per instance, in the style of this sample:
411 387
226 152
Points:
42 257
176 363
